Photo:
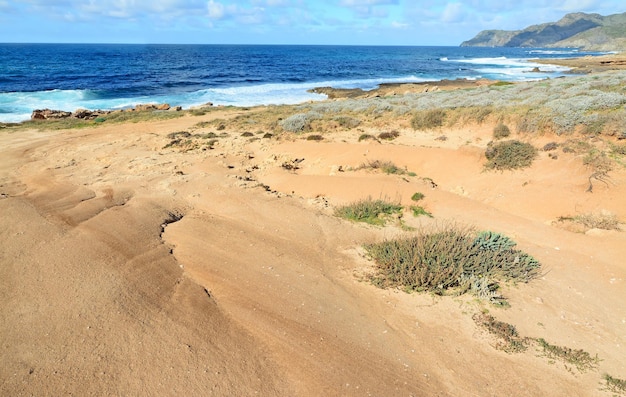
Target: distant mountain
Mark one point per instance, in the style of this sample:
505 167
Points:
580 30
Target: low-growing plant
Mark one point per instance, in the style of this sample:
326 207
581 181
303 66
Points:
601 220
247 134
389 136
419 211
365 137
509 155
582 360
314 137
440 259
615 385
374 212
347 121
501 131
417 196
428 119
388 167
550 146
509 339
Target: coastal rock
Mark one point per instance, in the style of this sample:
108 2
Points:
84 114
45 114
149 106
143 107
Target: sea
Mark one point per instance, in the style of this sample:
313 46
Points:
119 76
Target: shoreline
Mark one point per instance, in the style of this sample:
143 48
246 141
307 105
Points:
202 254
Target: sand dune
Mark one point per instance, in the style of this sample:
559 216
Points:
130 269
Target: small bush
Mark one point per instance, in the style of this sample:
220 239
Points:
347 122
387 167
508 155
247 134
179 134
365 137
550 146
389 136
440 260
597 221
428 119
417 196
374 212
314 138
501 131
419 211
295 123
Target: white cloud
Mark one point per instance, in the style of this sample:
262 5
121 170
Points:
399 25
216 10
454 12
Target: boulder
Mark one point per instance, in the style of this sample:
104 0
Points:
45 114
83 114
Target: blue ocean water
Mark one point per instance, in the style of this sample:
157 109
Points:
114 76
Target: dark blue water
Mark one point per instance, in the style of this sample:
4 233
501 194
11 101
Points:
101 76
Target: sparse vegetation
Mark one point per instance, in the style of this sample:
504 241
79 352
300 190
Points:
428 119
602 220
417 196
509 155
615 385
440 259
387 167
501 131
419 211
374 212
389 136
315 137
365 137
347 121
582 360
509 340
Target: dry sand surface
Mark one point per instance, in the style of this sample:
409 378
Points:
130 269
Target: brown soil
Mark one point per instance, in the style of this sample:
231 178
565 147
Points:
129 269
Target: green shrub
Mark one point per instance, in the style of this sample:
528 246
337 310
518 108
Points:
375 212
419 211
446 258
508 155
428 119
501 131
417 196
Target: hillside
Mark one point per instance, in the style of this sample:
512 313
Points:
585 31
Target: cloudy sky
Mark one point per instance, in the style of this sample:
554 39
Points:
353 22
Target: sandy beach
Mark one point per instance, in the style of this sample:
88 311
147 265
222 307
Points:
200 255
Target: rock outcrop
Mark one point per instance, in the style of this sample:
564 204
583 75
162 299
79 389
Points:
50 114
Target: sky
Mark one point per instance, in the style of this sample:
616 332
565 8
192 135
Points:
336 22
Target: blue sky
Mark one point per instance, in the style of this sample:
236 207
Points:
352 22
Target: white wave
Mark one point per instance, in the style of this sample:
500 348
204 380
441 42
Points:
572 51
15 107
